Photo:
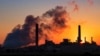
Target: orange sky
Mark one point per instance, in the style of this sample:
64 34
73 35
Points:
14 12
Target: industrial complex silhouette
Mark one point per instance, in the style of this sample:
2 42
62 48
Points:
65 47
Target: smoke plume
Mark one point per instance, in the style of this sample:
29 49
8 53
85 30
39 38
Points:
90 2
75 6
52 23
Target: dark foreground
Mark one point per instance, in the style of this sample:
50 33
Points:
52 50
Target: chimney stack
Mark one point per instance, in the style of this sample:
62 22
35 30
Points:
91 39
85 39
36 35
79 34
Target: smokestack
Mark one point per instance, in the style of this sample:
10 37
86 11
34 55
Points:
91 39
37 35
85 39
79 34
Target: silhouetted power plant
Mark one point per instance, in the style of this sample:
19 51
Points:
64 47
79 35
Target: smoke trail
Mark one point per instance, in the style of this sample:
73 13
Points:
90 2
75 5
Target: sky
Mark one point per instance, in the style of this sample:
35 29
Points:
13 12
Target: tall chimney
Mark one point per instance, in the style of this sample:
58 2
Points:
91 39
37 35
85 39
79 34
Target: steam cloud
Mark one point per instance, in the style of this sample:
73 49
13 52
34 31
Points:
50 23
